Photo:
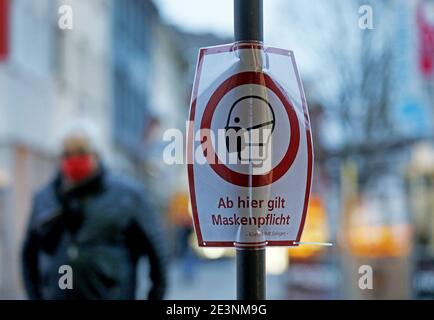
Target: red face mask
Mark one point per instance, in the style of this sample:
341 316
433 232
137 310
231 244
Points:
77 167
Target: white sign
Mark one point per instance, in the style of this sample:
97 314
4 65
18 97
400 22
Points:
249 147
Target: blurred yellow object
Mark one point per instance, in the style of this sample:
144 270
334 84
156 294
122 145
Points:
380 241
178 209
315 230
366 231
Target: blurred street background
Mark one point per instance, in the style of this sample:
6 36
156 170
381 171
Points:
128 66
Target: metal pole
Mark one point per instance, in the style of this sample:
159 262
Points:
248 26
251 274
248 20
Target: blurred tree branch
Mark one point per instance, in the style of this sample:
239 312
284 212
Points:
354 81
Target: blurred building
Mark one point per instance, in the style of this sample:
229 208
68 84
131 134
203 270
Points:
375 221
132 40
149 93
119 67
27 95
381 224
49 77
83 69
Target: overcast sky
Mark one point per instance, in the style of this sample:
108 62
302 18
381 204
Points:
198 15
214 16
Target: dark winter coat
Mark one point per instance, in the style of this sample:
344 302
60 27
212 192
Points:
100 229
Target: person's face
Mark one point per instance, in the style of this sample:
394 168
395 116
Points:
77 161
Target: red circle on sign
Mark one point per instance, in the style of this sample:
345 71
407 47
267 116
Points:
241 179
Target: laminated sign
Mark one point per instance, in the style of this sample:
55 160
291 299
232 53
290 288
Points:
249 147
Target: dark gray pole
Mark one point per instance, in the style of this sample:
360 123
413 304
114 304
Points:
248 23
248 26
251 274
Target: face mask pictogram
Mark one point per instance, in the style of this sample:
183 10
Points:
249 128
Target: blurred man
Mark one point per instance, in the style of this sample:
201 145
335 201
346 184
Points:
96 224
